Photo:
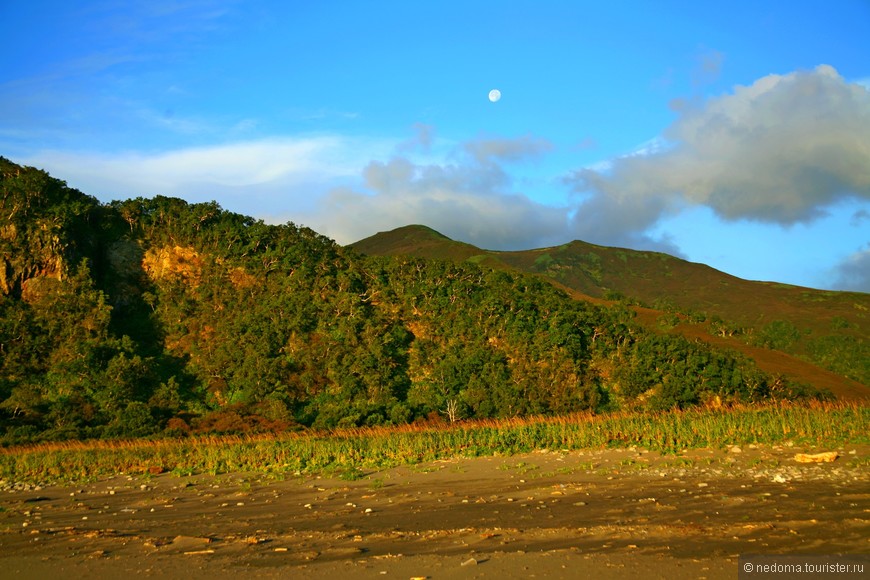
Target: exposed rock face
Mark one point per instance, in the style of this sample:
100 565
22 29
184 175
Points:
26 280
8 232
35 289
184 264
5 277
28 254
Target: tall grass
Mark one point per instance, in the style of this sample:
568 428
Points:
824 424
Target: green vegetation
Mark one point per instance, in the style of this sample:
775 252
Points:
347 454
846 355
155 317
826 328
779 334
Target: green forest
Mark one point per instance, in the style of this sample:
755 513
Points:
158 317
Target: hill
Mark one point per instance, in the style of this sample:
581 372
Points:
155 316
825 328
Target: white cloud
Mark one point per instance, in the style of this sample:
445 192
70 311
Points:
511 150
853 273
271 167
424 136
469 198
330 183
778 151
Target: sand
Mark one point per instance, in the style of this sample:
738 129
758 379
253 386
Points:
599 513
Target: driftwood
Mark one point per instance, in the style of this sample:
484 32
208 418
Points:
825 457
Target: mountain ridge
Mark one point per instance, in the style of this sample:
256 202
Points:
389 242
790 318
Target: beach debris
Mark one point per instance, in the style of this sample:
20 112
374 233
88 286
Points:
470 562
825 457
190 545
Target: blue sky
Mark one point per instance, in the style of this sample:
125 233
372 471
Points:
735 134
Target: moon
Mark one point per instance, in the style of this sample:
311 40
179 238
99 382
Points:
494 95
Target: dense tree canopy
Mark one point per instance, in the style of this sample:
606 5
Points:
156 315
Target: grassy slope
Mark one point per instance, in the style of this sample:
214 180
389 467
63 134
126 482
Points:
587 271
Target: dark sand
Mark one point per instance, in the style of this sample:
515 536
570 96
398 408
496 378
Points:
597 514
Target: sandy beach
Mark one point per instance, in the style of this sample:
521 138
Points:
597 513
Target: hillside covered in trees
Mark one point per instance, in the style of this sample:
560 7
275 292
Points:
828 329
156 316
